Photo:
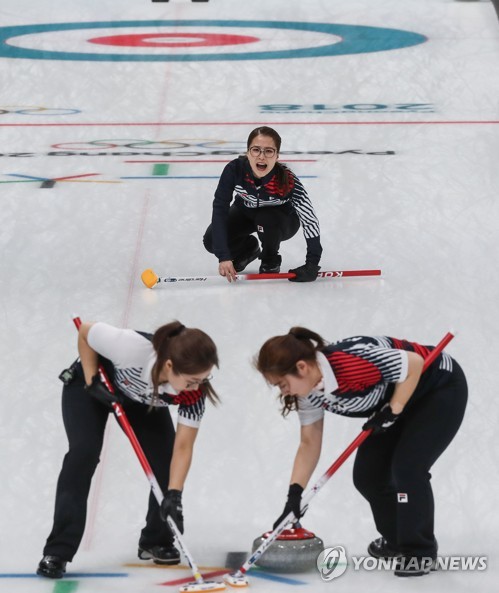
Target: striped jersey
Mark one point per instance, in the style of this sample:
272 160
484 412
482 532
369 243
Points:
238 182
133 357
360 373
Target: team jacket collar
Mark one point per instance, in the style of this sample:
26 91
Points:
328 379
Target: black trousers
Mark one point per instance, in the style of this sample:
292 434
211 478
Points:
392 470
273 224
84 421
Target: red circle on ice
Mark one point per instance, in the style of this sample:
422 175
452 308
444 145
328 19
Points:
176 40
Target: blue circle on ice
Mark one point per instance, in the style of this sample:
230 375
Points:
355 39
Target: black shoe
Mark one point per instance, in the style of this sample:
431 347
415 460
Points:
52 567
271 265
160 554
251 253
413 566
380 548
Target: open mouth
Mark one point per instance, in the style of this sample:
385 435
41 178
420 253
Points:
261 166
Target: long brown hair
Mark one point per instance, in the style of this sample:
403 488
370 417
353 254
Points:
190 350
279 355
283 172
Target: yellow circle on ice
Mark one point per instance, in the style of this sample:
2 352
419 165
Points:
149 278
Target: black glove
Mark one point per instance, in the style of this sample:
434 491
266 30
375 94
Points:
172 507
101 393
293 504
306 273
381 420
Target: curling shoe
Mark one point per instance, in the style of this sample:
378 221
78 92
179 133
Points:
413 566
252 252
160 554
52 567
271 265
380 548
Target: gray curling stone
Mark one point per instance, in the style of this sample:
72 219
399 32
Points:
295 550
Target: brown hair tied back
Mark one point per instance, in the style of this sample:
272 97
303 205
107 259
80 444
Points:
302 333
178 330
190 350
279 355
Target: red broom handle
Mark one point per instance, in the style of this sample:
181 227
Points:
151 279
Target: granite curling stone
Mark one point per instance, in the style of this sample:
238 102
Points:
295 550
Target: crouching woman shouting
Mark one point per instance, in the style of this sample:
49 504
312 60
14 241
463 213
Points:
149 372
413 418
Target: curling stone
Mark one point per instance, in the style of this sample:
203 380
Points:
295 550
